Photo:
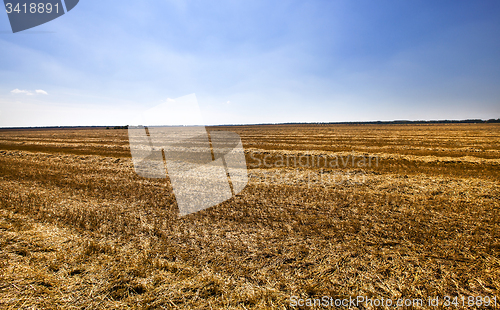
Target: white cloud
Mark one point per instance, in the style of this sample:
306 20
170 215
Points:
29 93
19 91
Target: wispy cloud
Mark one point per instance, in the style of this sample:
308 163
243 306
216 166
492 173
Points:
29 93
21 91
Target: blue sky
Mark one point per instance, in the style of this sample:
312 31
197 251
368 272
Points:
255 61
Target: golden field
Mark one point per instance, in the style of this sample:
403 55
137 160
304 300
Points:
80 230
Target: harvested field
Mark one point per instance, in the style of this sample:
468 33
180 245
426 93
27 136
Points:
380 211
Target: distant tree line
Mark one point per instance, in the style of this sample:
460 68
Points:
466 121
118 127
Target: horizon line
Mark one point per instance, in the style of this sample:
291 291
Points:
396 122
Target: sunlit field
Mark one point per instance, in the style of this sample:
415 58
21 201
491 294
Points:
392 211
